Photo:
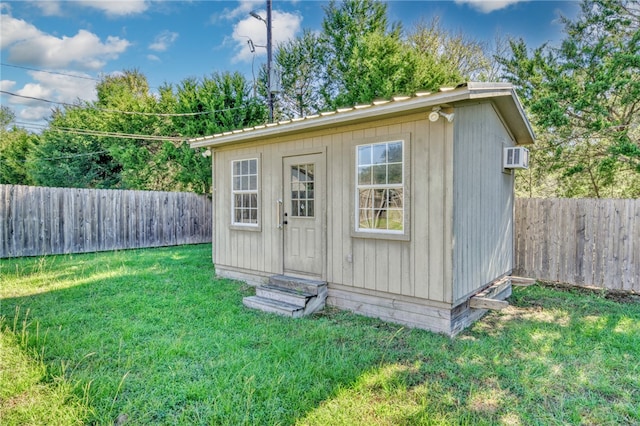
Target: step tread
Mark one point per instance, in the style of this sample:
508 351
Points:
312 287
305 281
286 290
258 300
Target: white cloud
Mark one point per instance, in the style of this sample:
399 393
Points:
284 27
109 7
66 89
242 10
117 8
163 41
7 85
38 113
14 30
28 45
153 58
30 91
50 7
488 6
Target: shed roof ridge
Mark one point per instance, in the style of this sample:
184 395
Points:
420 99
397 98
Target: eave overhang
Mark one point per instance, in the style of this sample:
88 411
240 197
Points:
501 94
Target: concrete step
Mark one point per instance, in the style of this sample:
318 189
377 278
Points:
311 287
274 306
284 294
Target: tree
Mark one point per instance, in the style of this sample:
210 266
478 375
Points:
584 99
383 65
456 53
221 102
358 57
344 28
67 158
16 145
300 61
135 139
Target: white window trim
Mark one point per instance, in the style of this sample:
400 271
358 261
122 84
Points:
243 225
356 231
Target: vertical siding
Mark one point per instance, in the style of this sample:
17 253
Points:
482 200
420 267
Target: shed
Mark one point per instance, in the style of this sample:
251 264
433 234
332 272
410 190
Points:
400 210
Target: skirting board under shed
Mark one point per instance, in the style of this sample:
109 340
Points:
411 312
250 277
415 315
426 315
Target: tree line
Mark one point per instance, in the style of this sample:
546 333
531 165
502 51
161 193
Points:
582 98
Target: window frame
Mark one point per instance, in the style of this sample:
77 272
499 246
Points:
388 234
246 226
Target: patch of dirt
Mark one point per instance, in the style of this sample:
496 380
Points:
623 297
615 295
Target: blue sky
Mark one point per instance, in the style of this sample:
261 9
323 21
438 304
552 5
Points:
78 41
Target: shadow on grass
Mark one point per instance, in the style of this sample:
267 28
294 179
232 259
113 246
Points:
158 340
551 358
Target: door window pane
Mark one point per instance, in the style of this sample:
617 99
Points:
302 190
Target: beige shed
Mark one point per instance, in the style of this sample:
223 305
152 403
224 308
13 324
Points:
401 210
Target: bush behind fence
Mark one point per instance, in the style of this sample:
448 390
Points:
36 220
587 242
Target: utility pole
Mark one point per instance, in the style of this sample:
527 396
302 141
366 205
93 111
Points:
269 56
269 59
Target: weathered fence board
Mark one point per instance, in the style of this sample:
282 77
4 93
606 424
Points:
585 242
37 220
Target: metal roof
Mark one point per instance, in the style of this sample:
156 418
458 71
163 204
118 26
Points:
502 94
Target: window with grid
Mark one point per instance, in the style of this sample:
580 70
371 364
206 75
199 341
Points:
302 190
244 192
380 187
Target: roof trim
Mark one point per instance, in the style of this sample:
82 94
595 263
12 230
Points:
514 112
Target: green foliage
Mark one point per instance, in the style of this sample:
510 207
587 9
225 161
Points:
73 161
458 57
125 105
300 61
359 56
382 65
345 27
64 159
584 99
224 101
16 146
75 152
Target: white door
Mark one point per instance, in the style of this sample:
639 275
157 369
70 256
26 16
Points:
303 180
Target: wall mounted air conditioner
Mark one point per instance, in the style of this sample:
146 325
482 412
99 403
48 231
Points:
515 158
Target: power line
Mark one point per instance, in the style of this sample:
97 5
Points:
62 157
87 132
59 73
49 72
153 114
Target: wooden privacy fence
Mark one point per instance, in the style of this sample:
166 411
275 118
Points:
36 220
588 242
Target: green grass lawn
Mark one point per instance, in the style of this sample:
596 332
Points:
152 337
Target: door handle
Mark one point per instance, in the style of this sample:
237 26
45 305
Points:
279 214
